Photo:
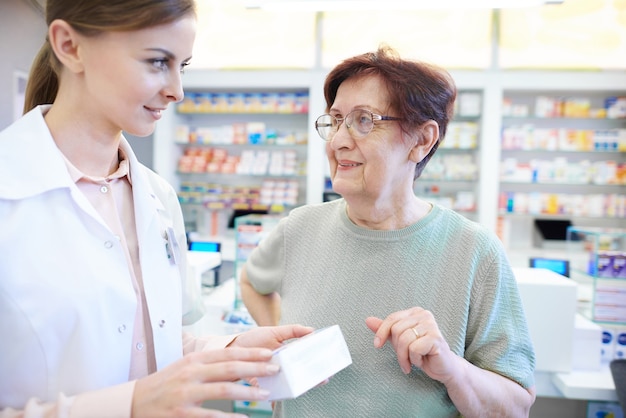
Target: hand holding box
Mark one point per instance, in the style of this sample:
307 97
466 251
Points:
307 362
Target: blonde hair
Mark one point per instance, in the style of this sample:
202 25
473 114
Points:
90 17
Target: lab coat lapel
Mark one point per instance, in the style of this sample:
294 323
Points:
40 171
161 275
149 211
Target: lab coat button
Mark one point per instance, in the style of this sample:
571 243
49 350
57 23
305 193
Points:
139 346
104 189
162 323
108 244
121 328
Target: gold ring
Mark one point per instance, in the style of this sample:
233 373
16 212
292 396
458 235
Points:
417 334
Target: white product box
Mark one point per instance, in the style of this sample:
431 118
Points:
549 301
307 362
587 345
608 344
620 343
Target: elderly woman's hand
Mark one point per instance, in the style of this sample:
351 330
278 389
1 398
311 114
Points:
416 339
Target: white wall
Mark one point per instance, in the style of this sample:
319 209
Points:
22 32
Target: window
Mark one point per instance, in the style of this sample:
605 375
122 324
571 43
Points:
451 39
578 34
231 36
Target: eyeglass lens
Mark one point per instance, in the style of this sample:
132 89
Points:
360 123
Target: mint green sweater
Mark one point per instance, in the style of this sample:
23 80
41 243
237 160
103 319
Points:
329 271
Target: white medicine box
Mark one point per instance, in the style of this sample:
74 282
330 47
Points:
307 362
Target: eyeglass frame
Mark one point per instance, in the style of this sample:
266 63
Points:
375 118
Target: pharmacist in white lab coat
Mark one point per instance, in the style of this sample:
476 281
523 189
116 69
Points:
93 289
64 259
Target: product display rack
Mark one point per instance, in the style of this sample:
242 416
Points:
285 131
493 87
598 265
241 150
249 231
563 154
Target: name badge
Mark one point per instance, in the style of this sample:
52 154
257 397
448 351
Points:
171 246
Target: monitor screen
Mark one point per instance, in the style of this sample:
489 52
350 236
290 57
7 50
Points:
556 265
213 247
243 212
553 229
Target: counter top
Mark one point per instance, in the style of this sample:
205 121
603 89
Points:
598 386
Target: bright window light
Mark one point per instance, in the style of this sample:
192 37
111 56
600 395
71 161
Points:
362 5
232 37
579 34
423 35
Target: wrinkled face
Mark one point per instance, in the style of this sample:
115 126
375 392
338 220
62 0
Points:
131 77
376 165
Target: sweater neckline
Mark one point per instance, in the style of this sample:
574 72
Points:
387 233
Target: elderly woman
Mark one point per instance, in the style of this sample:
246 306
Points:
426 299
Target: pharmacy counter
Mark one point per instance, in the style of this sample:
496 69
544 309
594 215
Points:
598 386
201 263
578 385
567 346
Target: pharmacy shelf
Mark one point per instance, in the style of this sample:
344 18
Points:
248 144
562 156
168 152
494 86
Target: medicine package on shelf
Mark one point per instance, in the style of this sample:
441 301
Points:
307 362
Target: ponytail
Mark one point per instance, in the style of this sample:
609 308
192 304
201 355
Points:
43 81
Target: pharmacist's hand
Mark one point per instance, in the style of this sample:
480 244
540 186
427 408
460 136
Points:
416 339
182 387
270 337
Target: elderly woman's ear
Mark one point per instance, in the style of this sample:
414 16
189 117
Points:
424 140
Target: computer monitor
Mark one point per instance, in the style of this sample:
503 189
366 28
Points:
554 264
243 212
553 229
208 246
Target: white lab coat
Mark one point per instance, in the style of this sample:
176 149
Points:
67 304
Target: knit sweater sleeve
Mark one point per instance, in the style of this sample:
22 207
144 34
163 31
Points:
265 266
497 335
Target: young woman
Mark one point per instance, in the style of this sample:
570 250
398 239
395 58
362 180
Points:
93 286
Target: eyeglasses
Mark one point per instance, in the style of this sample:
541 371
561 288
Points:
359 122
